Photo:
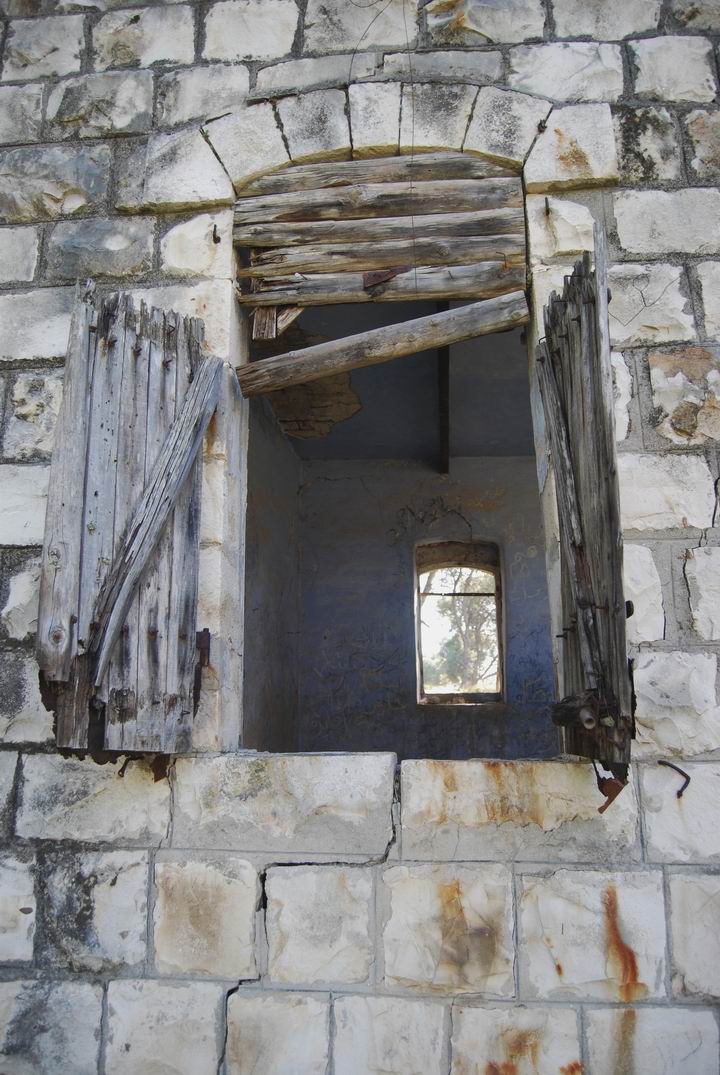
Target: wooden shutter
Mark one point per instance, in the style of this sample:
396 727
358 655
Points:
575 377
116 637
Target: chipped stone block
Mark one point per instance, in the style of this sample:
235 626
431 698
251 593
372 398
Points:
477 22
113 246
292 76
331 804
8 765
19 615
592 935
375 118
703 130
318 924
315 125
95 909
20 113
622 395
694 910
708 274
605 19
677 714
244 30
34 406
543 1041
434 116
17 909
685 829
665 492
568 70
211 300
336 26
659 222
44 1024
577 149
35 324
204 917
286 1033
145 36
449 929
116 102
641 583
201 92
73 799
504 125
161 1026
648 145
180 172
664 1041
23 491
686 394
248 142
201 246
702 573
18 253
696 14
23 717
557 228
39 47
391 1035
648 305
519 810
43 183
674 68
445 66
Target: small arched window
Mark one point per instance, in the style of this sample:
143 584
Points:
459 621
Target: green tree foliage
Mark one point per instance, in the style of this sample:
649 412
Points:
467 659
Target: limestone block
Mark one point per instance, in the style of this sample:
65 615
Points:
648 145
594 935
34 405
664 1041
477 22
116 102
204 917
181 172
286 1033
95 909
557 228
641 583
23 491
521 1040
18 252
20 113
622 395
163 1027
331 804
35 324
659 222
23 717
519 810
336 26
113 246
702 573
674 68
73 799
248 142
435 116
244 30
685 829
39 47
605 19
19 615
17 909
375 118
449 929
677 713
318 924
665 492
568 70
201 246
44 1023
686 394
445 66
703 130
292 76
212 300
388 1035
576 150
696 14
201 92
315 125
45 183
708 274
144 36
648 305
694 909
504 125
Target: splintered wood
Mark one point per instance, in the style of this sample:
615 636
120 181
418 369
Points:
575 377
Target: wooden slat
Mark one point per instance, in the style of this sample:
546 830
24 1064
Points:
338 257
383 344
481 281
382 200
380 229
264 322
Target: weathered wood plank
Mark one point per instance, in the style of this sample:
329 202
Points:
264 320
481 281
383 344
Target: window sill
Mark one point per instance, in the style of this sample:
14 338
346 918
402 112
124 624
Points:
460 699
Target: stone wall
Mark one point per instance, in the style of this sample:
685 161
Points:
286 914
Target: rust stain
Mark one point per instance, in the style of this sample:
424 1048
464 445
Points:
573 1068
620 953
449 777
570 153
625 1043
522 1045
503 1068
463 947
559 969
517 798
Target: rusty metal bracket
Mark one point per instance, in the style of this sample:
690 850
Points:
671 765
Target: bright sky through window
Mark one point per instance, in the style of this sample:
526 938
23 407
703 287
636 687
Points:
458 631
